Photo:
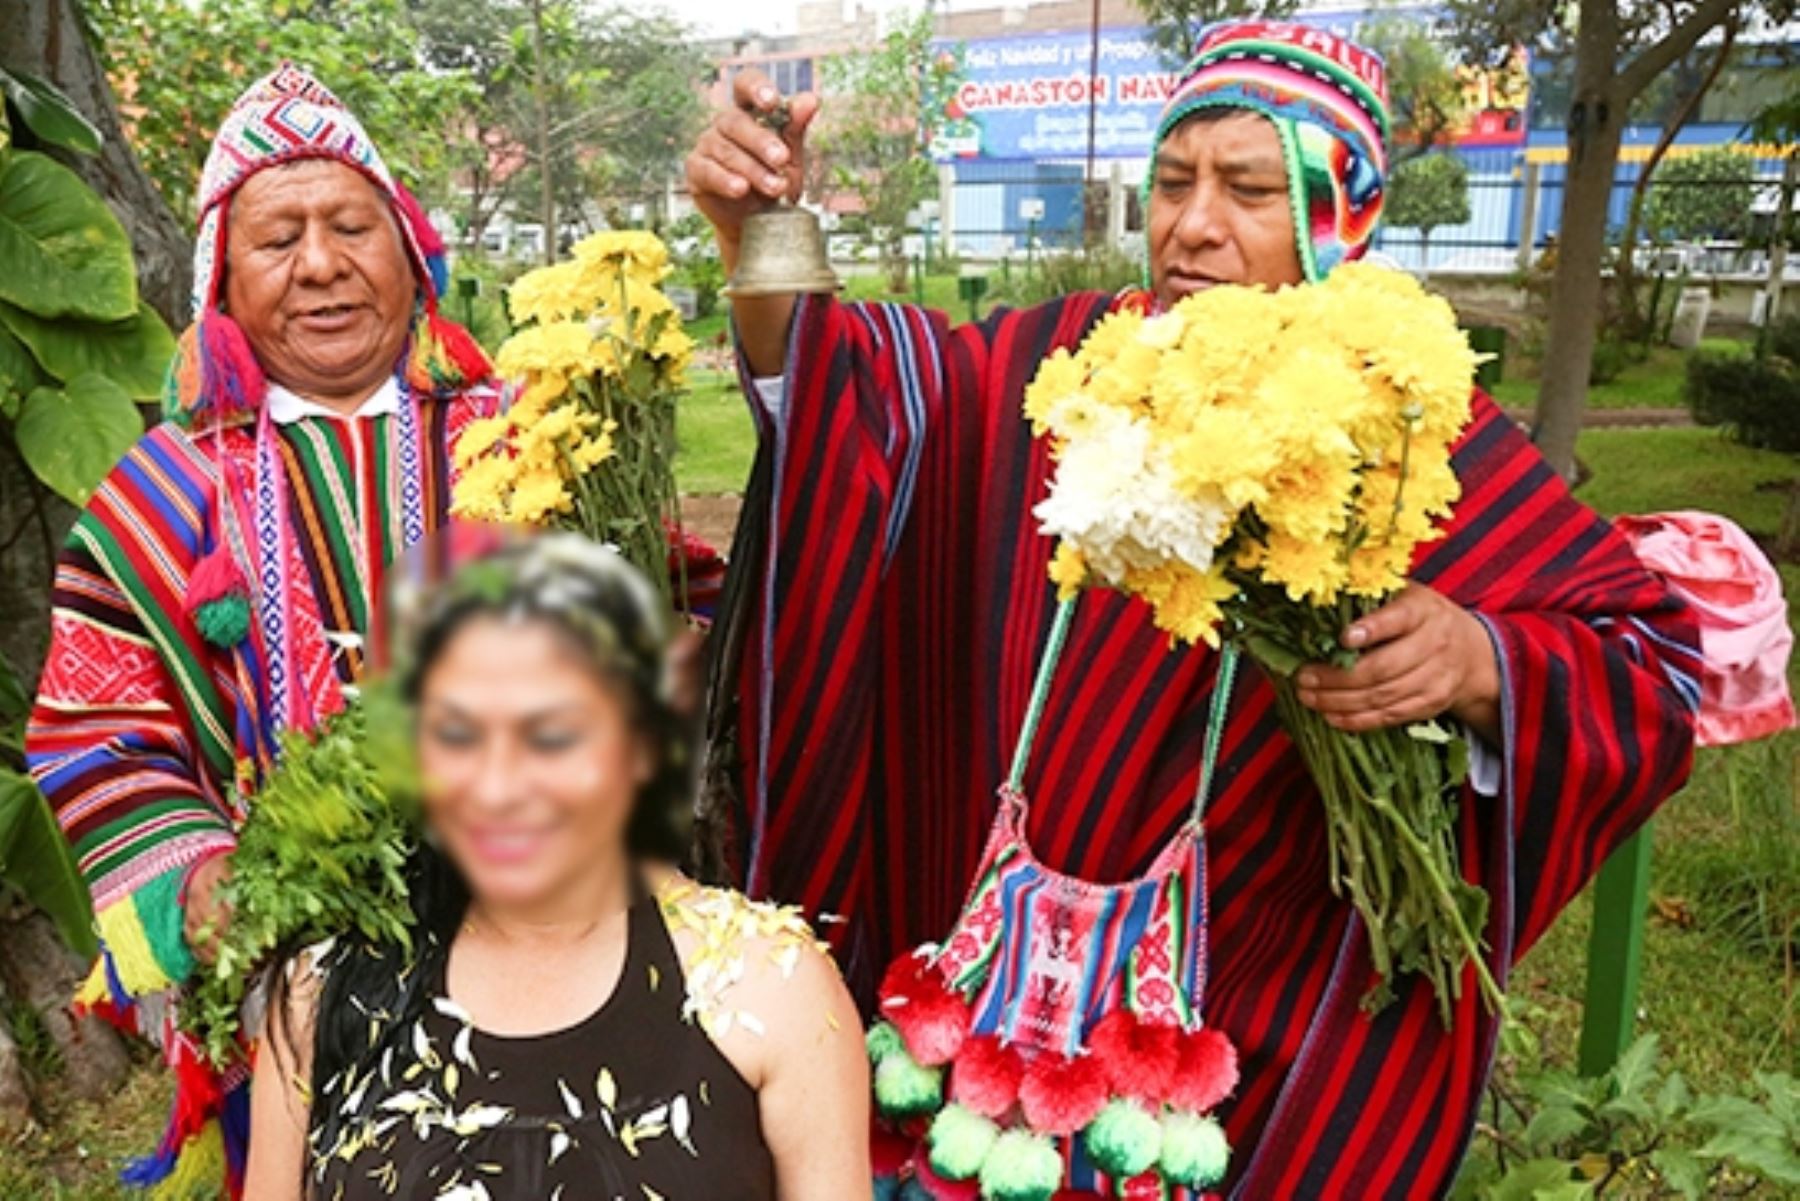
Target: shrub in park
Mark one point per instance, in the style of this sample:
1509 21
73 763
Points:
1755 397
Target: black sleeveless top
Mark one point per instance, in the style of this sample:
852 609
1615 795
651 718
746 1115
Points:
633 1102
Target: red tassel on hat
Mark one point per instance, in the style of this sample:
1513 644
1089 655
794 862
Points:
1060 1096
1139 1057
231 380
1206 1072
461 349
986 1077
930 1016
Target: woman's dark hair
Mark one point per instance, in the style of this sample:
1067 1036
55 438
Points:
606 612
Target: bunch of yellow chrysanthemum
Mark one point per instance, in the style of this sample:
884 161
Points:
599 361
1261 467
1298 439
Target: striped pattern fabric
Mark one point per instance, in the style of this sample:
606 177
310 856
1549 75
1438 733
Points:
145 737
1328 100
897 601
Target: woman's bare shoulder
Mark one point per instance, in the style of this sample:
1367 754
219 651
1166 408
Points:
750 965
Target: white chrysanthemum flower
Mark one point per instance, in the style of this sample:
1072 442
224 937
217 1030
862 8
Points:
1115 498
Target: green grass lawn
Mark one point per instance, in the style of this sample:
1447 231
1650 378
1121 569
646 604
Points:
717 438
1654 383
1723 1002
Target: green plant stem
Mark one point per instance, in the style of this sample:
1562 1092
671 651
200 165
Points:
1393 849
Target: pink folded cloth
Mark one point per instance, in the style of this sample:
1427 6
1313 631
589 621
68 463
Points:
1744 635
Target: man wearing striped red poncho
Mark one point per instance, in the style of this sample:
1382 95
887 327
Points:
891 601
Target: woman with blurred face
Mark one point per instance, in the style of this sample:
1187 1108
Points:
580 1019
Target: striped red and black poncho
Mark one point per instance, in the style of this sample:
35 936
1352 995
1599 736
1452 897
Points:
891 602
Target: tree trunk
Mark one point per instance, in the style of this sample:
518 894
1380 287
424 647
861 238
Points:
32 523
1595 123
45 38
1787 542
1640 324
1783 226
15 1096
40 972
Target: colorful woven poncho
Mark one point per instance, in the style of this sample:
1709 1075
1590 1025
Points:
219 589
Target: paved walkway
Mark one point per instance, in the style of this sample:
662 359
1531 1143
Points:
1619 418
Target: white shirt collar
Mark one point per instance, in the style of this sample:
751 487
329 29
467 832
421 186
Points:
287 407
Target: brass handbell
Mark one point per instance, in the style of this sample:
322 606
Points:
782 251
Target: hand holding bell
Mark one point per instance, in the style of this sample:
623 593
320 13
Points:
783 247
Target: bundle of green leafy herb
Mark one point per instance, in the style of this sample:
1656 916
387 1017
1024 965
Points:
322 854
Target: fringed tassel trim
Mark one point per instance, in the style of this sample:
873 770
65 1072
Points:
143 950
445 358
205 1146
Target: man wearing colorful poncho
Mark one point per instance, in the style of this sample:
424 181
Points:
219 588
891 602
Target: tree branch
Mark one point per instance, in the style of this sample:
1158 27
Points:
1659 56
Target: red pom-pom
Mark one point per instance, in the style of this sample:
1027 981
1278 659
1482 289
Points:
1060 1096
986 1077
1148 1186
216 577
939 1189
1206 1073
931 1017
1139 1057
889 1150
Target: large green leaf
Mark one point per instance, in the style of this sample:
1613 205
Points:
62 252
133 353
19 373
36 860
48 113
72 436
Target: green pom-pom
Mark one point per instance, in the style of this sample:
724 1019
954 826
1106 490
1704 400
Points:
960 1142
903 1089
1195 1151
224 622
1021 1167
1124 1140
883 1040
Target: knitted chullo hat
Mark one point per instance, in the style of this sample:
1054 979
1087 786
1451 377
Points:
1328 100
282 118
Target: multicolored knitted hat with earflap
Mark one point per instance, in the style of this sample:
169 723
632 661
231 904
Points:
1328 100
283 117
